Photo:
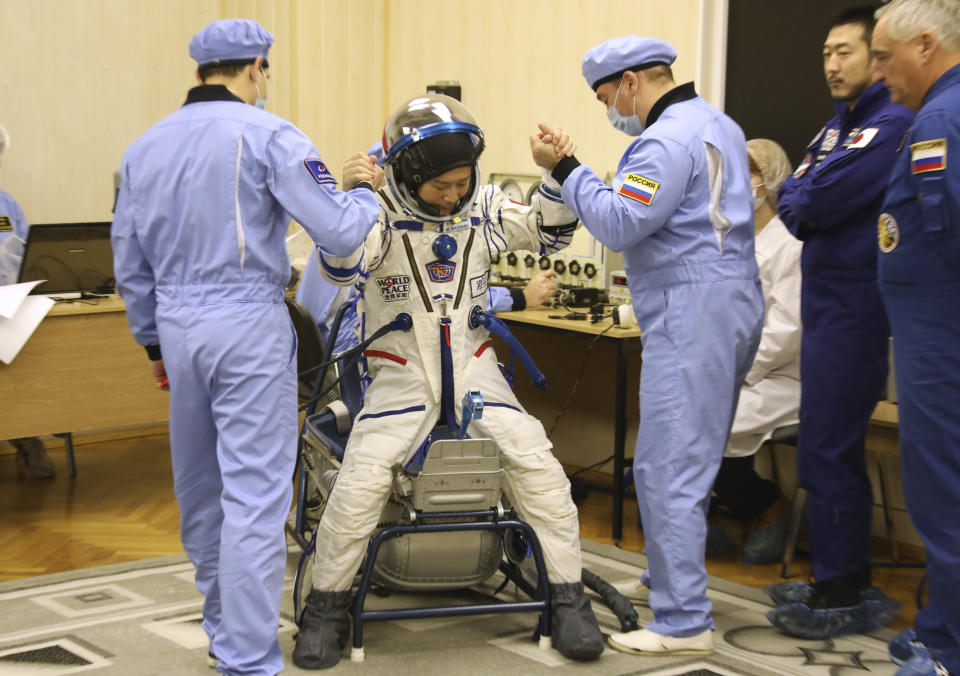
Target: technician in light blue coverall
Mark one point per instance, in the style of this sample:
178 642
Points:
917 48
13 236
200 259
681 210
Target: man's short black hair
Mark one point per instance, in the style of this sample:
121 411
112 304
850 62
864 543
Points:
226 69
861 15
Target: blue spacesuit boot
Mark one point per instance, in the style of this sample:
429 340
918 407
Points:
324 630
848 604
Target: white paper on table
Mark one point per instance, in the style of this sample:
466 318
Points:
12 295
15 330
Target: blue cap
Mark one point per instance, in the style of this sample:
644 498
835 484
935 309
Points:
230 41
609 60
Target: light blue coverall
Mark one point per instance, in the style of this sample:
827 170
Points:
12 222
681 210
200 260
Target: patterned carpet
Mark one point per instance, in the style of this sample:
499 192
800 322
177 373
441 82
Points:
144 618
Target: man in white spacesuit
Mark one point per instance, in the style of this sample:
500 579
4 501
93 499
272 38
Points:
429 256
770 396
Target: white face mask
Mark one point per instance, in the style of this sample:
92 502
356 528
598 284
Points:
628 124
757 201
261 102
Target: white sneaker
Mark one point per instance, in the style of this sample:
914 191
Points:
644 642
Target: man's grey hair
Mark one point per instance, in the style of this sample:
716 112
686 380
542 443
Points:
908 18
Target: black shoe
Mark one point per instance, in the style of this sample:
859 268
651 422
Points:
840 592
574 630
324 630
34 456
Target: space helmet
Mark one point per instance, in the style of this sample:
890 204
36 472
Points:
428 136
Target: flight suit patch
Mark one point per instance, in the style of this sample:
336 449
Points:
862 138
802 169
639 188
928 156
5 224
394 288
441 271
478 285
319 171
830 141
888 233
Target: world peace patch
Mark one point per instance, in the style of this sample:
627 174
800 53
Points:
319 171
639 188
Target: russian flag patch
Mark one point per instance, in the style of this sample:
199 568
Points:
319 171
928 156
639 188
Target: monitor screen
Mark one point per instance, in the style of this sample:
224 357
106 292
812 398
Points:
72 257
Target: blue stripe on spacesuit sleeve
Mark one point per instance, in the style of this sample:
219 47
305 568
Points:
550 193
845 182
619 222
384 414
341 274
135 279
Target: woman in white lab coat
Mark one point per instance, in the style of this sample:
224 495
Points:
770 396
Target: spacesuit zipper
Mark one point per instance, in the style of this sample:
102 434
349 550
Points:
415 270
464 264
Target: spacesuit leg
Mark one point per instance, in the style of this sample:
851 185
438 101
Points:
396 415
541 491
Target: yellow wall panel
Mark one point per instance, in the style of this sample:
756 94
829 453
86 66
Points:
83 78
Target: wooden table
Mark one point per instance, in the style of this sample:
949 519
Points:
80 370
627 340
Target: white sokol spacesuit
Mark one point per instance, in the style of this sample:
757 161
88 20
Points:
435 268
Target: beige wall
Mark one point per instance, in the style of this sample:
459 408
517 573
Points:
83 78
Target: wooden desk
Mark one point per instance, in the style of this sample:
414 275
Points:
627 341
80 370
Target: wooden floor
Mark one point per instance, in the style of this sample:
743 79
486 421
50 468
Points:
120 508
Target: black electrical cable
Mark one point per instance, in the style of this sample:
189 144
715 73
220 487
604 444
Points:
576 383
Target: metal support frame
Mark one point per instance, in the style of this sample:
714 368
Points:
439 522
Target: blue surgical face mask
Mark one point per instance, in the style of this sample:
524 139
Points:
261 102
628 124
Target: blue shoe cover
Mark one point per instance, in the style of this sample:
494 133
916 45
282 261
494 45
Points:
905 646
873 612
718 542
922 665
788 592
767 544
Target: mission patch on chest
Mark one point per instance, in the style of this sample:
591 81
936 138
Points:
639 188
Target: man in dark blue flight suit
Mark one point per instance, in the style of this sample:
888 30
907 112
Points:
831 203
917 49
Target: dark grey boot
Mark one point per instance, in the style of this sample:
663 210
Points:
324 630
573 626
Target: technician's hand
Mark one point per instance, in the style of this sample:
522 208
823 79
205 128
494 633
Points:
544 152
564 145
540 288
379 178
160 375
360 168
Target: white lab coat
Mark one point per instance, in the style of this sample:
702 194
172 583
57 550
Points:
770 396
